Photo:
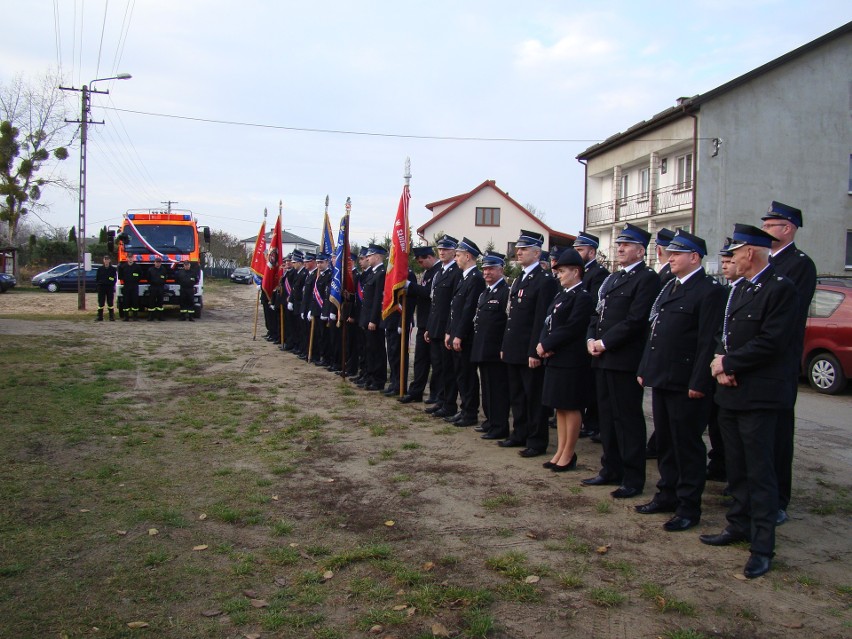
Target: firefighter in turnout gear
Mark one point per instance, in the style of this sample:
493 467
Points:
105 278
131 273
156 290
187 281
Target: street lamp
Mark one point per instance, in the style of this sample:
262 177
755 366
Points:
85 109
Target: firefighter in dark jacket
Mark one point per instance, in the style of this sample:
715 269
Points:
156 290
187 281
130 273
105 279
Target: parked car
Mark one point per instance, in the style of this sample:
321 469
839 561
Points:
67 281
59 269
827 356
242 275
7 281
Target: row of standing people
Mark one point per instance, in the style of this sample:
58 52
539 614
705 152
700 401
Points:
586 343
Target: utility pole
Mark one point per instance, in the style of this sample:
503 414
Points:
169 204
84 121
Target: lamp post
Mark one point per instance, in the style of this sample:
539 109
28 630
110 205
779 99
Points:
85 109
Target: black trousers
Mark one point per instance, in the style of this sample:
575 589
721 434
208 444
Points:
622 424
376 358
155 298
529 417
422 364
106 296
717 444
494 379
467 381
784 451
392 346
130 293
443 373
750 453
187 300
680 423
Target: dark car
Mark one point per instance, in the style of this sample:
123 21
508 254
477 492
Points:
242 275
68 281
827 356
7 281
59 269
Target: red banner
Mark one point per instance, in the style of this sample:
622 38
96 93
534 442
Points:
397 273
258 258
273 261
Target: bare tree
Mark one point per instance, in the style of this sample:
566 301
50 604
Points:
532 208
32 121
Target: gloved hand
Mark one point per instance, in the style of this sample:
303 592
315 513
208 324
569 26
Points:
302 316
271 307
323 318
308 317
399 331
290 306
332 317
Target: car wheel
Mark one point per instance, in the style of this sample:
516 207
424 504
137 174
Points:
52 287
825 374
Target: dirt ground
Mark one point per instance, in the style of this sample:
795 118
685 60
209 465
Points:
455 474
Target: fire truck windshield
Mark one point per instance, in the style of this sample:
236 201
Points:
165 238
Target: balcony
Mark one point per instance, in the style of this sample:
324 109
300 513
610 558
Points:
670 199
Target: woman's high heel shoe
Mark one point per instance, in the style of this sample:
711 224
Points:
571 465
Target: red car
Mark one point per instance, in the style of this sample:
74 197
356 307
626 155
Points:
827 357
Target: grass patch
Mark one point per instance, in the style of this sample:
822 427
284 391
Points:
504 500
606 597
356 555
410 446
281 528
378 431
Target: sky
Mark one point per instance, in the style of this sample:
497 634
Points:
547 78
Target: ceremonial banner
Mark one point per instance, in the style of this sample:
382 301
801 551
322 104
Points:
397 272
258 258
273 262
341 278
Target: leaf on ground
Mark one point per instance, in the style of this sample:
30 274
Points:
259 603
376 629
201 547
274 497
211 613
602 550
795 625
202 516
440 630
390 523
121 533
137 624
532 579
293 544
532 535
328 574
252 635
85 510
740 576
251 594
428 566
153 531
400 607
280 582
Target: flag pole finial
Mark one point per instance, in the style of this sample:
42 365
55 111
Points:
280 206
264 212
348 204
326 204
407 175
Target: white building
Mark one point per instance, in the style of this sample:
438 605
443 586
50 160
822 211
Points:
489 217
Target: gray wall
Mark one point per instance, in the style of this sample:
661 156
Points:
787 136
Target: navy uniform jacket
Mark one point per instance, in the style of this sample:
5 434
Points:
443 288
682 340
422 294
564 331
105 277
463 306
373 284
801 270
621 320
757 330
593 277
528 303
666 274
298 292
489 323
308 291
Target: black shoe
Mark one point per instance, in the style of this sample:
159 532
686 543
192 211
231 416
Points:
441 412
150 317
599 480
653 507
511 443
586 432
571 465
480 429
782 517
716 474
391 392
490 435
625 492
408 399
531 452
373 387
434 408
549 465
757 565
676 523
465 421
724 538
431 400
454 418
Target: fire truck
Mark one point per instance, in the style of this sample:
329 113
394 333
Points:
173 236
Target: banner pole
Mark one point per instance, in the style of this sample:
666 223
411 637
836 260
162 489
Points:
311 341
402 344
256 308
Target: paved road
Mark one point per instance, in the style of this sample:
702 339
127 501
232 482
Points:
824 425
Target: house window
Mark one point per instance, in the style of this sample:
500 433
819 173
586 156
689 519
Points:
644 181
510 250
848 250
487 216
684 171
624 186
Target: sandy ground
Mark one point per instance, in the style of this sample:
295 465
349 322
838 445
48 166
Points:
806 595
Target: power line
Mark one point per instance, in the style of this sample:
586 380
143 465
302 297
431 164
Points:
58 35
122 34
101 45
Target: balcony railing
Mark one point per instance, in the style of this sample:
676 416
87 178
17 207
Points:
666 200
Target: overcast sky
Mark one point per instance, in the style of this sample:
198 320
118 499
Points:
575 72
